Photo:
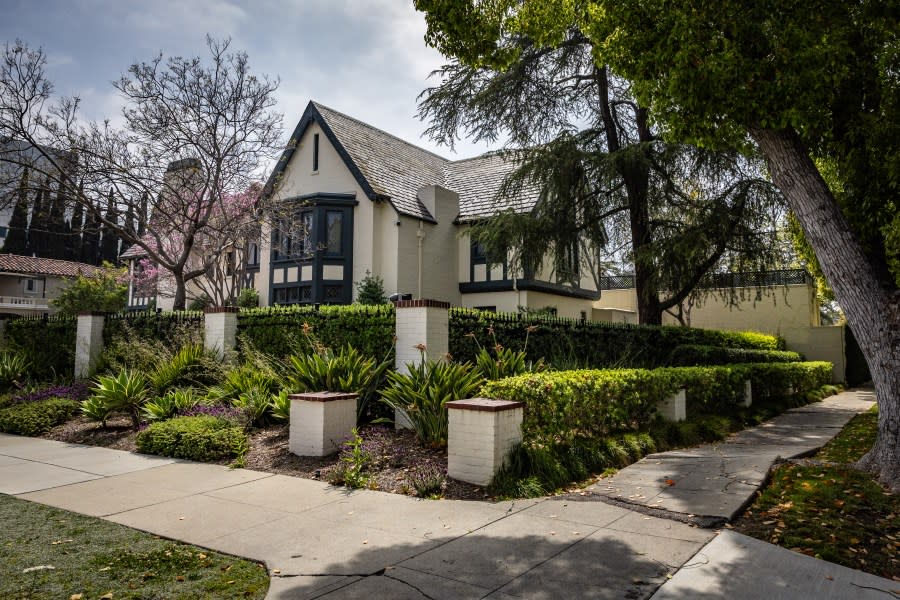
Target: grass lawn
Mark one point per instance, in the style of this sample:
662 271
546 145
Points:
832 511
91 559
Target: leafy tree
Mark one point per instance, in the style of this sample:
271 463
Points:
104 291
371 290
227 142
16 241
606 178
802 80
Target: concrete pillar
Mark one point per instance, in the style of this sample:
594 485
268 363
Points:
321 422
220 329
481 434
419 324
88 343
674 408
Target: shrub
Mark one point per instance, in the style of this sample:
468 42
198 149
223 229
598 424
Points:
564 405
574 342
281 331
189 366
202 438
422 395
695 354
126 392
256 403
74 391
428 481
105 291
281 406
144 340
353 462
48 342
243 380
95 409
371 290
35 418
248 298
772 380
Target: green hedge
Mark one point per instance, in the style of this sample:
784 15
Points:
166 327
48 343
35 418
563 405
687 355
202 438
575 343
280 331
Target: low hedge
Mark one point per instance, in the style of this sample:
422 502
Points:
35 418
564 405
687 355
201 438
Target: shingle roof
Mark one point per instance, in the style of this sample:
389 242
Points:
393 167
388 168
12 263
478 181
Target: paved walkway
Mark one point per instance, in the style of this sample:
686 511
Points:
321 541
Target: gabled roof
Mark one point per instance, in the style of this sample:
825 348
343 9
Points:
388 168
29 265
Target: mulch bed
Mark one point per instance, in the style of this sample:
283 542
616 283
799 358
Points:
396 456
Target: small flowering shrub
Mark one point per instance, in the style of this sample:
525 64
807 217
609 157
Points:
201 438
428 481
75 391
221 411
35 418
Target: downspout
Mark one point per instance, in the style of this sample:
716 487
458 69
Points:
420 238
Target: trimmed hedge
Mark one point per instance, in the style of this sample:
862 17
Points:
281 331
49 344
572 342
35 418
563 405
687 355
201 438
166 327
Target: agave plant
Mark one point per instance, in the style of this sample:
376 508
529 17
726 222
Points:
281 406
167 406
95 409
13 368
256 404
422 395
125 392
346 371
240 381
180 370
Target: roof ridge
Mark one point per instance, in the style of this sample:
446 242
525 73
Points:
319 105
56 260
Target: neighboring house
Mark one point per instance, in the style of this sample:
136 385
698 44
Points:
361 200
27 284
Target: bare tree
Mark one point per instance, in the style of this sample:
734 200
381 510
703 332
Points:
196 135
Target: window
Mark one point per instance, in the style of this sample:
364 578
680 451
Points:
30 285
567 264
315 152
334 223
252 254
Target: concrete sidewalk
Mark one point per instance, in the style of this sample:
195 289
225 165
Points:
322 541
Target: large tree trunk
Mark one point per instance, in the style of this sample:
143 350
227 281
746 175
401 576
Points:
180 293
871 309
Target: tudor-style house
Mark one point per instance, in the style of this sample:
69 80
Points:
356 199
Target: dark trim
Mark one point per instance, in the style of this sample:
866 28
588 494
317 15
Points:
329 198
316 152
528 285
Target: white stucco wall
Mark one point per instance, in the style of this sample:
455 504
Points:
440 262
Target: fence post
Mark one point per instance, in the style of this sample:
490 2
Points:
88 342
419 325
220 329
481 434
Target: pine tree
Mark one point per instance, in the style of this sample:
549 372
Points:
37 227
56 226
90 240
109 245
73 241
17 236
142 216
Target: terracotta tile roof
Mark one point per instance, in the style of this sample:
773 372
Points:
391 169
12 263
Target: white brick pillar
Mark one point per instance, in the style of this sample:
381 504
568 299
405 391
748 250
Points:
481 434
220 329
321 422
674 408
419 323
748 394
88 343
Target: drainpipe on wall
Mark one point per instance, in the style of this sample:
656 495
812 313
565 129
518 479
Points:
420 238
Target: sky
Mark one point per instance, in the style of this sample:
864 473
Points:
365 58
